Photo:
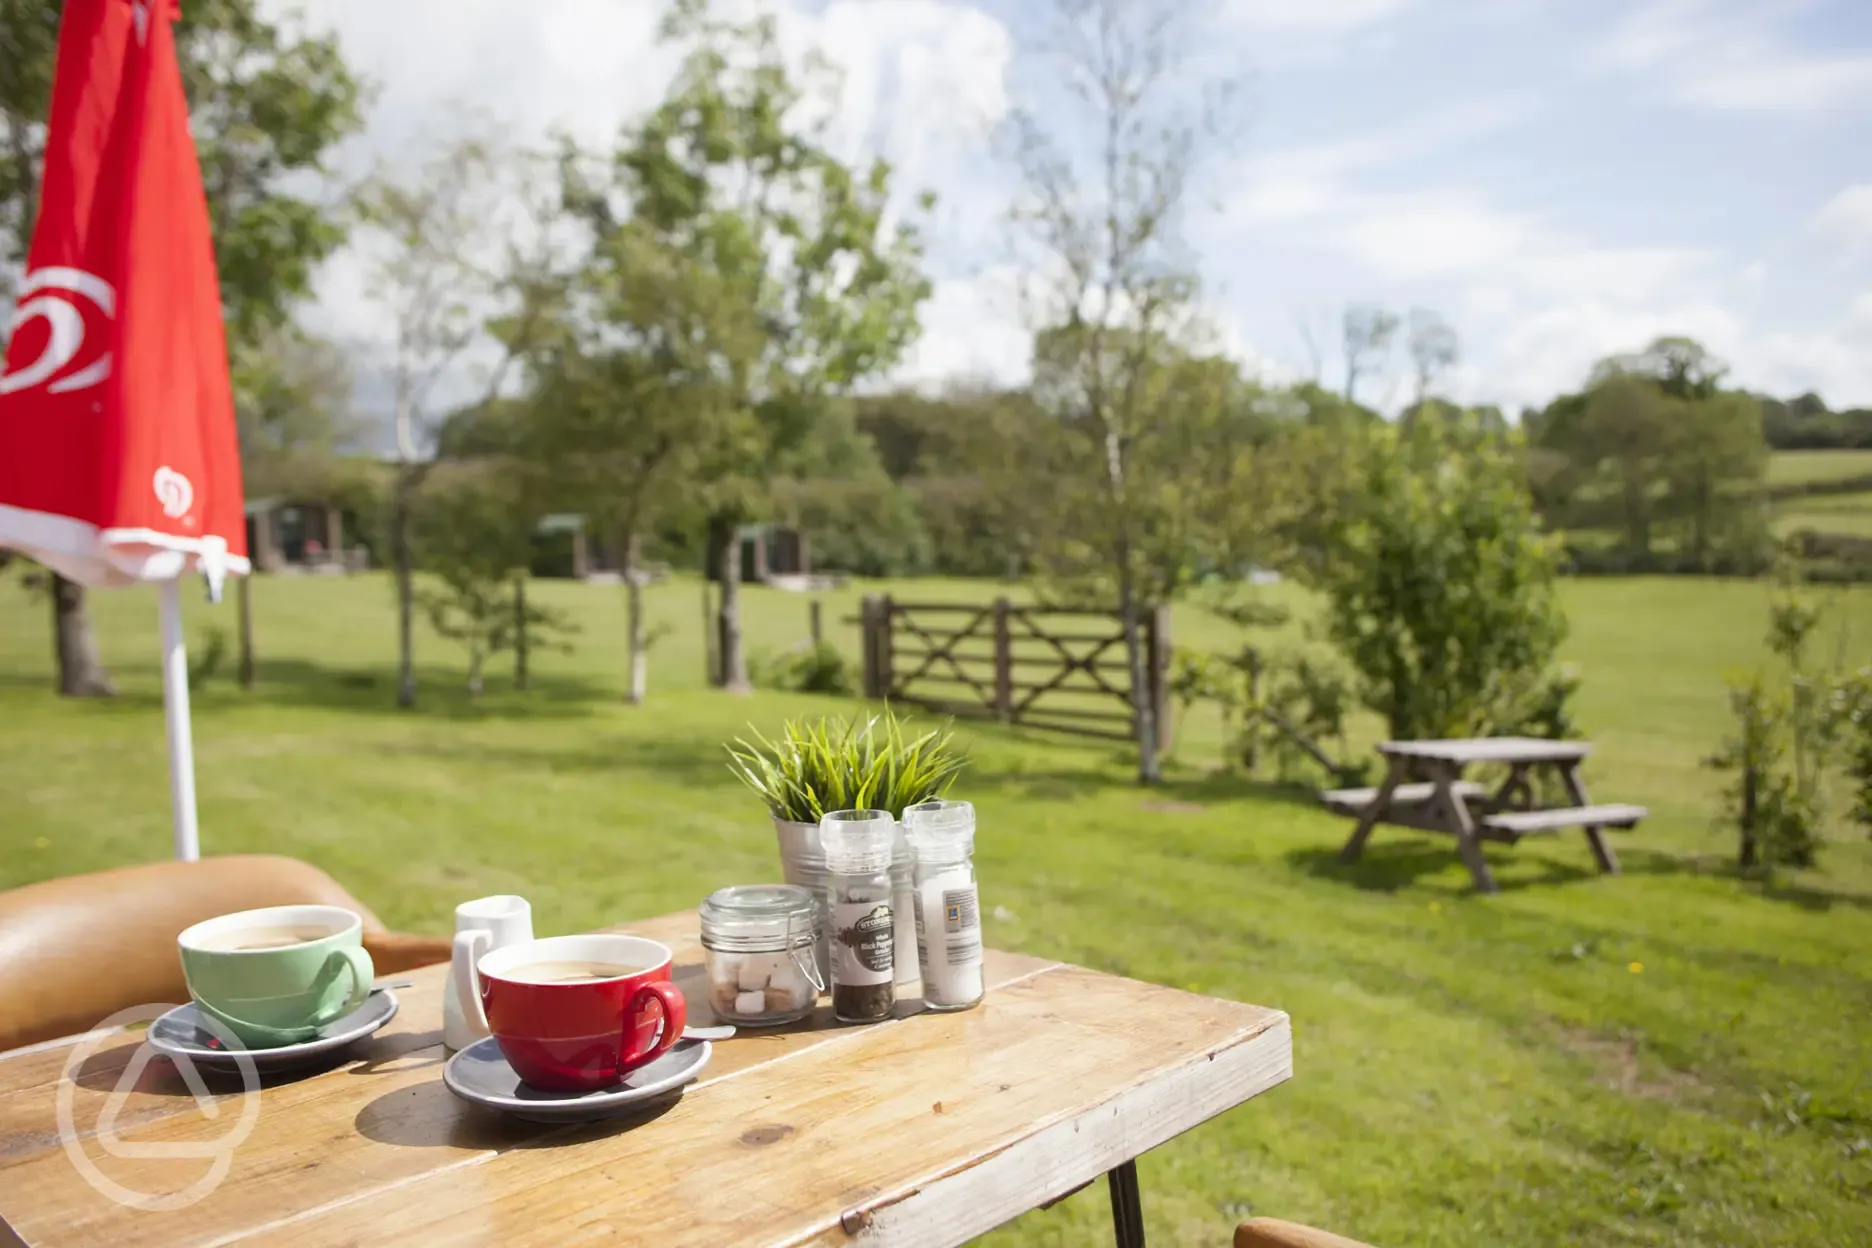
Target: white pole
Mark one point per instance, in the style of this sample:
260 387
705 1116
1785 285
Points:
176 720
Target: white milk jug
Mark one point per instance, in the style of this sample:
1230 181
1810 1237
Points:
481 926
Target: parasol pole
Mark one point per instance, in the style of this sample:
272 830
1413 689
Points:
176 721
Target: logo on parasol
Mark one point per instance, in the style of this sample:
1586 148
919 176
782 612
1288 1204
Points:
46 294
174 491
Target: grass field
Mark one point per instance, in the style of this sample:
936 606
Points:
1791 467
1669 1057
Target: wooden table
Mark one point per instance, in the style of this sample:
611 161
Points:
1448 803
928 1129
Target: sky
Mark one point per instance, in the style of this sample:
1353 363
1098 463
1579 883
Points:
1558 179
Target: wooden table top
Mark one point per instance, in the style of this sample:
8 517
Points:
1489 750
928 1129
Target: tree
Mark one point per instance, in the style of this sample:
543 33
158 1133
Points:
1655 441
1104 191
733 173
1439 585
446 243
471 525
1716 471
615 436
1433 348
1365 333
267 101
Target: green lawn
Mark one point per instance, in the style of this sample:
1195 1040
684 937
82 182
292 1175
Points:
1789 467
1666 1057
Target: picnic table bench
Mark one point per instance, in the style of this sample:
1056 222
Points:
1447 803
927 1129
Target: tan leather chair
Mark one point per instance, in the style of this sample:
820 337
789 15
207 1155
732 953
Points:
1273 1233
76 950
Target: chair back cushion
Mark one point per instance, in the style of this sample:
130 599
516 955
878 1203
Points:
73 951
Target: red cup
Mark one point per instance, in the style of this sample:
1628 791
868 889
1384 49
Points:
584 1035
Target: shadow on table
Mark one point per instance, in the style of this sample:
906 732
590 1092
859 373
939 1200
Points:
1402 861
428 1115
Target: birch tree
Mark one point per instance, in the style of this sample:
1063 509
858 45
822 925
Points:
1108 163
445 247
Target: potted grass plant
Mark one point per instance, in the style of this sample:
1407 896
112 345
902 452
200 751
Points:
833 763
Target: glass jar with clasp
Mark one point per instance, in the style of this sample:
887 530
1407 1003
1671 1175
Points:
758 951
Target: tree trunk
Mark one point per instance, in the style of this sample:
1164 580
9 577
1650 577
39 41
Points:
244 597
520 632
81 672
634 626
732 672
404 560
1745 859
474 672
709 667
1150 770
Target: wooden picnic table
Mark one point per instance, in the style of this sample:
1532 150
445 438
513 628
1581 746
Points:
928 1129
1445 802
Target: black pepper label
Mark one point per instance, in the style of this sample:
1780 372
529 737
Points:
863 952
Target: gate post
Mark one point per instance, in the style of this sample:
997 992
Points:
1004 662
1157 674
868 642
886 678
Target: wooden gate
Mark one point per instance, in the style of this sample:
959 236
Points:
1062 669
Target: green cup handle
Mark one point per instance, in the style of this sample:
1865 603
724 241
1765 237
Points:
363 970
356 962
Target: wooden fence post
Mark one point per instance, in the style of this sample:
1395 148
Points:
1251 720
886 677
818 626
244 594
867 643
1158 674
520 632
1004 662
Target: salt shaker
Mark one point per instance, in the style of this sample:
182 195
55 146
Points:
948 910
858 856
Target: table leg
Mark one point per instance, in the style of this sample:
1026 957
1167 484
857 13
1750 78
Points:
1381 801
1595 835
1515 787
1127 1207
1463 825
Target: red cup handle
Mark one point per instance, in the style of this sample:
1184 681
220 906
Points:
675 1015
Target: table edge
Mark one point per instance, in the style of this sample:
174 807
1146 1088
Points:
990 1190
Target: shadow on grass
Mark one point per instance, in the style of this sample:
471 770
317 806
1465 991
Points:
1400 860
1818 899
298 683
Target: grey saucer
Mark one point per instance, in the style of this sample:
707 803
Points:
480 1075
181 1034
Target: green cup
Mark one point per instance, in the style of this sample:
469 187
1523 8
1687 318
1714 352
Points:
275 976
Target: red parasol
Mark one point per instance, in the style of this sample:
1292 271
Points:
118 457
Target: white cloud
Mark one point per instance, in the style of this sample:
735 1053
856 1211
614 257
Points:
1735 61
1846 219
1293 184
1834 361
1536 302
1311 16
973 328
